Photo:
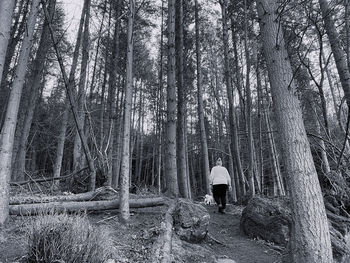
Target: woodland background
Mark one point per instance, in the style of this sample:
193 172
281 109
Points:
151 93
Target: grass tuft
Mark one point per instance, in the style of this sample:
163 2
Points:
68 238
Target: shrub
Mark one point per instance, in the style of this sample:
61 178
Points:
69 239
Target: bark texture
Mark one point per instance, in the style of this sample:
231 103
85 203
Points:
125 164
170 133
8 130
6 11
181 132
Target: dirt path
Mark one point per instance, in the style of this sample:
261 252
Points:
225 228
134 242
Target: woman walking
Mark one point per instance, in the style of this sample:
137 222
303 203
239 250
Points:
219 181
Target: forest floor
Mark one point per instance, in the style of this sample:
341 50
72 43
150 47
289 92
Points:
134 242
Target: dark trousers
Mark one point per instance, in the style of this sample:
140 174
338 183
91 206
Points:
219 193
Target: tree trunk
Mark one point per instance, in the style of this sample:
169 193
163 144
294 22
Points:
60 143
62 136
335 105
181 103
112 86
276 171
125 165
276 175
249 108
232 115
16 34
347 30
160 105
34 83
102 105
203 135
312 126
78 155
17 31
189 189
6 11
260 153
338 52
234 178
118 148
311 121
33 159
8 130
310 238
170 133
238 78
139 141
63 130
19 16
69 84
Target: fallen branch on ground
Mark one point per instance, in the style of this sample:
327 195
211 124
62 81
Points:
47 179
34 209
215 240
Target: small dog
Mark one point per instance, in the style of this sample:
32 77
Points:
209 200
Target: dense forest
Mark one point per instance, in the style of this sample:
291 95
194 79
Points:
144 96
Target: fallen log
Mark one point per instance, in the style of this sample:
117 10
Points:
88 196
20 200
42 208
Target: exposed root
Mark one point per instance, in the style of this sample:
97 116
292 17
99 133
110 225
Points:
209 236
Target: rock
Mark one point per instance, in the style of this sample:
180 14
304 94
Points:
184 252
191 221
267 218
270 218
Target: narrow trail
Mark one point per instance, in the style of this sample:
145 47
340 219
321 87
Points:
238 247
134 242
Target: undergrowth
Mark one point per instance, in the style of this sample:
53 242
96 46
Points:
68 238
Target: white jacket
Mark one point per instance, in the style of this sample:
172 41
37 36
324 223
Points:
219 175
